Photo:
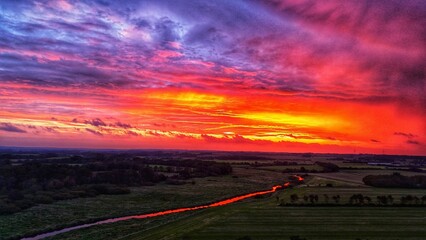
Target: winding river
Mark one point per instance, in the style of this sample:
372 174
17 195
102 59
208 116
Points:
161 213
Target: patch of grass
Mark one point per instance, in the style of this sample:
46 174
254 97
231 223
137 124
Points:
316 181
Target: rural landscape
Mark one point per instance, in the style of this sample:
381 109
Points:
329 196
213 119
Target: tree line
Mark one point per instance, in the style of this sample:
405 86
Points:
353 200
395 180
30 183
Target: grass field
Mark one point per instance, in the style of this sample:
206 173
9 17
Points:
141 200
257 218
263 219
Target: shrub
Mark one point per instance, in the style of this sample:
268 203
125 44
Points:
8 208
24 203
43 199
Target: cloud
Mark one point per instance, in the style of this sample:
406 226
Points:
8 127
361 40
238 139
122 125
311 58
132 133
94 132
327 46
50 129
97 122
407 135
413 142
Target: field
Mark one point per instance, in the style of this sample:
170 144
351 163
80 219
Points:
272 216
356 176
141 200
263 219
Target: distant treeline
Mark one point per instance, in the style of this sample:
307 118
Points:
354 200
395 180
29 183
237 157
191 168
326 168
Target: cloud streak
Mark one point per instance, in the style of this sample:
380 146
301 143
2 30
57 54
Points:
11 128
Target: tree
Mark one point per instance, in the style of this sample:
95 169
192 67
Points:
336 198
407 199
311 198
382 200
356 199
368 199
305 198
294 198
416 200
326 198
390 199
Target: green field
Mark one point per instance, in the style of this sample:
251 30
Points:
256 218
263 219
142 200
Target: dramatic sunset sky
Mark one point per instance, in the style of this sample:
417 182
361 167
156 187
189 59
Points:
253 75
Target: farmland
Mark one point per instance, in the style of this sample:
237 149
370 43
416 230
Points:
272 216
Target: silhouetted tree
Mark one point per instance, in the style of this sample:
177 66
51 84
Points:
336 198
326 198
294 198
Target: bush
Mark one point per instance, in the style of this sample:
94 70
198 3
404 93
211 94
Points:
62 196
15 195
43 199
8 208
24 203
109 189
118 191
174 182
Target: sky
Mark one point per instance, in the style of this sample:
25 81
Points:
253 75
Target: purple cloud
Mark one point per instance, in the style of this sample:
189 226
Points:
11 128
